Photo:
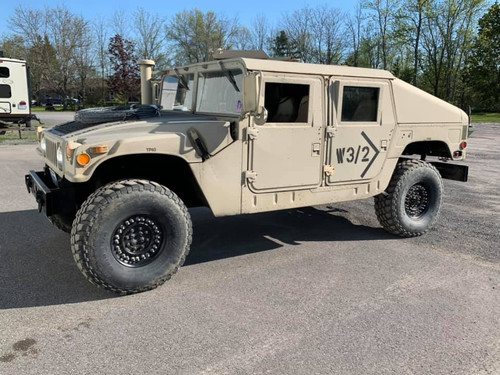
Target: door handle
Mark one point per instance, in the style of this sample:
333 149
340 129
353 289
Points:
316 149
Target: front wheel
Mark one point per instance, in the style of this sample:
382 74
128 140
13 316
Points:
411 204
131 236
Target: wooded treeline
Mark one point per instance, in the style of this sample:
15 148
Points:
450 48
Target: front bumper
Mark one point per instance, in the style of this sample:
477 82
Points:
51 199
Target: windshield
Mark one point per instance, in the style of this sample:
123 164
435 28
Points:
220 92
217 92
177 93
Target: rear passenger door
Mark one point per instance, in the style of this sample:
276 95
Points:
362 120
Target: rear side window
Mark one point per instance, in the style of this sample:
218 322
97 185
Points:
5 91
360 104
4 72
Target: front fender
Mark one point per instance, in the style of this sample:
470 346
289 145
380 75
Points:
175 144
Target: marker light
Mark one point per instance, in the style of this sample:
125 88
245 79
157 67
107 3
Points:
83 159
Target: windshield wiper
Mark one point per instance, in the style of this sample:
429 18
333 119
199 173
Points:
181 79
230 76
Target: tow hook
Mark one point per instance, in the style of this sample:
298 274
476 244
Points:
29 184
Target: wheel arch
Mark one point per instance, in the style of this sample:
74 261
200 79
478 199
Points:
168 170
428 148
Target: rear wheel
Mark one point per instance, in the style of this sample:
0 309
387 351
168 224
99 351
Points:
131 236
411 204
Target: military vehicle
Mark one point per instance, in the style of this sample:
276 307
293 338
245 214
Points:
241 136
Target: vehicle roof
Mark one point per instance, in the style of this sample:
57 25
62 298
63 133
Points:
6 59
280 66
327 70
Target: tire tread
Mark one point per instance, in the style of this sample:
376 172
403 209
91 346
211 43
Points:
385 210
90 211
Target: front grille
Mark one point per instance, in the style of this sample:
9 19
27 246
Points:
51 151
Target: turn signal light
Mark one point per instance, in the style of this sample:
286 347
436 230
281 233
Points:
39 131
83 159
98 150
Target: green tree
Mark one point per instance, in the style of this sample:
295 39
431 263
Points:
14 47
195 35
281 46
150 37
446 41
410 21
483 75
383 16
55 38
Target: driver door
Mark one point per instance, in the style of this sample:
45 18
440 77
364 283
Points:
286 152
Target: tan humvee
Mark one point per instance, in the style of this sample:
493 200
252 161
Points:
241 136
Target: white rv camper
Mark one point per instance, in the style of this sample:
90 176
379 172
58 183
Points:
14 92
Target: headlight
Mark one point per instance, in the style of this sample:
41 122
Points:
59 157
43 145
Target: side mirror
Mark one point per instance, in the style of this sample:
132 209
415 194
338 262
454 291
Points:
251 92
252 101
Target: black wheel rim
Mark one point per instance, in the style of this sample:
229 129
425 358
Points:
417 201
137 241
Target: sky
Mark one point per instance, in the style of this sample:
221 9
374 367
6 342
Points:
244 10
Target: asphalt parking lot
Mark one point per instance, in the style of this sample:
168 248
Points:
319 290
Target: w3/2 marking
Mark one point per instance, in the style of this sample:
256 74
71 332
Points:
353 155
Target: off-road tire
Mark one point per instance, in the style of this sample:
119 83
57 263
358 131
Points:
62 222
101 232
411 204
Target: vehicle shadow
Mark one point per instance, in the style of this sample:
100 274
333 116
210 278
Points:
37 267
225 237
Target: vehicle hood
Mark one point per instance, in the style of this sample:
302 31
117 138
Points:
169 133
165 123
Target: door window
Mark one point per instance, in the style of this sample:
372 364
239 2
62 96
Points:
360 104
287 102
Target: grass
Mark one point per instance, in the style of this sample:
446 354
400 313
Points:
42 109
35 109
485 117
11 136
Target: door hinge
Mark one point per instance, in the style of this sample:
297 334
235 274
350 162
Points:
330 131
252 133
329 170
250 176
